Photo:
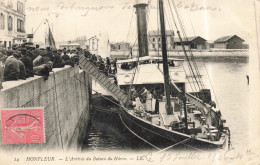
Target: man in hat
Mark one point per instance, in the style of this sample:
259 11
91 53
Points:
12 69
67 59
43 70
58 62
87 54
28 63
49 53
36 51
22 73
3 57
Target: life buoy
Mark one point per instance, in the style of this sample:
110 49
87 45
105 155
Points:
127 78
176 76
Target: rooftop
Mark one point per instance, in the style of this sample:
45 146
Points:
188 38
226 38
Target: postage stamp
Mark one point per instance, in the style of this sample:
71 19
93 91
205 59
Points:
20 126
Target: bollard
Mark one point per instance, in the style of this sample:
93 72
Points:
1 75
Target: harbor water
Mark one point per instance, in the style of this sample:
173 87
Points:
229 81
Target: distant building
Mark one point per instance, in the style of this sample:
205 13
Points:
81 41
69 45
230 42
99 45
12 22
154 40
209 44
120 46
92 44
196 42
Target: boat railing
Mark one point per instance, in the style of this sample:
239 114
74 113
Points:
199 103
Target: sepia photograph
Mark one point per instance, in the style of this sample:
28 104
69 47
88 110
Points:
129 82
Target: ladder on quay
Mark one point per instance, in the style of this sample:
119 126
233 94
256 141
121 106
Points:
103 80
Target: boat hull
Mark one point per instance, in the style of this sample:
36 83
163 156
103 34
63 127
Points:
161 137
158 137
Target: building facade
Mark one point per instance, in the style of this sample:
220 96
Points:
121 46
92 44
196 42
81 41
230 42
69 45
154 40
12 23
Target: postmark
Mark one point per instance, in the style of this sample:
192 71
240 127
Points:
22 126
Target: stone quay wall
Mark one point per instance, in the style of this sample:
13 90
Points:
66 103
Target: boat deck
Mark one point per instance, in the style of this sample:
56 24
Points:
196 121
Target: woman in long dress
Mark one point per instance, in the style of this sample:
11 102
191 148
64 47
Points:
149 98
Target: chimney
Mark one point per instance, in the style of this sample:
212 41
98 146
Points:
141 9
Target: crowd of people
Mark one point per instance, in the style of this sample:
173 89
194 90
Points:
21 62
145 98
107 66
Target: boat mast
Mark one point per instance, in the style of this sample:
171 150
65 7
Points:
167 88
142 27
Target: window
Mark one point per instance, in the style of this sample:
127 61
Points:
20 7
159 39
20 25
2 21
153 39
10 23
119 47
10 3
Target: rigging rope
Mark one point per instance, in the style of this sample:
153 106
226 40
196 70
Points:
194 91
174 145
130 129
185 53
39 25
206 70
129 30
138 135
186 38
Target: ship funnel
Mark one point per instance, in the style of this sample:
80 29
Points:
141 12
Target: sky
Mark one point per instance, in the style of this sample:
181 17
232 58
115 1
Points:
69 19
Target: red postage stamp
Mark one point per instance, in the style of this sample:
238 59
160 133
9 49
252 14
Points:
20 126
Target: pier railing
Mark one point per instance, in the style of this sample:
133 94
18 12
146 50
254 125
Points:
103 80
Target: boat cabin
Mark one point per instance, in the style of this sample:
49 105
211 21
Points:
132 63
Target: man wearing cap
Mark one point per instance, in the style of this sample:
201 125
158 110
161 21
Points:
87 54
58 62
49 53
22 73
28 63
12 69
36 51
67 59
43 70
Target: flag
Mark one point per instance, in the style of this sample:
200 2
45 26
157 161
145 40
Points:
49 40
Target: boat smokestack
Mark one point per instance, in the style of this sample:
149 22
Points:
141 11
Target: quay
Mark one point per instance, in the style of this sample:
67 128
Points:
210 54
66 103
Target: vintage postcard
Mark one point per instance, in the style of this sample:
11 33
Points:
129 82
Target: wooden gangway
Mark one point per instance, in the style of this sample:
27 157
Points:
103 80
